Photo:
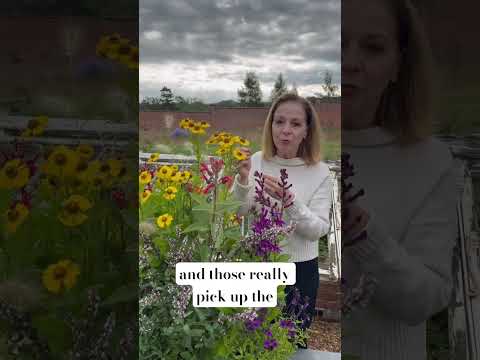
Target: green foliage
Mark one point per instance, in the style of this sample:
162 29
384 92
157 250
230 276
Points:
250 94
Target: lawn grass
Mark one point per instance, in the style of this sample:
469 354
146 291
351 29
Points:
162 143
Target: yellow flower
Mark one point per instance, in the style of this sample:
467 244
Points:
145 195
15 216
116 47
164 172
153 158
170 193
212 141
175 176
85 151
226 141
73 210
60 276
97 174
14 174
118 168
221 151
61 161
197 129
204 124
233 218
36 126
133 58
186 123
128 55
107 43
164 221
239 155
81 169
174 167
184 176
241 141
145 177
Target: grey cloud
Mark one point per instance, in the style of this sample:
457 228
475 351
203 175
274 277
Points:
200 31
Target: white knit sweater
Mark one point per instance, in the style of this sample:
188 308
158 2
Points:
311 186
410 193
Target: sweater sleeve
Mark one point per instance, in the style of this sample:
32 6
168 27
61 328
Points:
241 193
313 219
414 276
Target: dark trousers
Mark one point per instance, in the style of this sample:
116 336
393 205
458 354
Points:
304 299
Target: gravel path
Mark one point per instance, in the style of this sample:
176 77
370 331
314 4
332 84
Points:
325 336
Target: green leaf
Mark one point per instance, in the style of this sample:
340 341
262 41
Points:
56 332
162 245
204 252
228 206
197 227
283 258
123 294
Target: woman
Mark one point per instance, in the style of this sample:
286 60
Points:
409 179
291 141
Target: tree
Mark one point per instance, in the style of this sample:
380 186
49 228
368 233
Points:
329 88
166 99
279 88
250 93
294 89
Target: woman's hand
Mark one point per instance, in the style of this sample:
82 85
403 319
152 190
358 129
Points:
275 190
354 221
244 166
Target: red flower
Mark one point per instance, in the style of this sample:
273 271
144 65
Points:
208 188
227 180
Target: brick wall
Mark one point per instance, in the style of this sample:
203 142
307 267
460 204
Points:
329 296
231 119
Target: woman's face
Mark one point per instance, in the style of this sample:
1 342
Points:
289 128
370 59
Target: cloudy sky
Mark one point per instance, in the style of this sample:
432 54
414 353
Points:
203 48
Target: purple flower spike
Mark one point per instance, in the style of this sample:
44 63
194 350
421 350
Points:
270 344
253 325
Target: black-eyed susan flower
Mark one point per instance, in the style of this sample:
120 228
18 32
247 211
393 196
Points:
14 174
170 193
184 176
145 177
85 151
61 161
15 216
153 158
226 141
221 151
239 155
73 212
233 218
185 123
212 141
118 169
204 124
132 60
81 169
107 43
197 129
241 141
36 126
164 172
60 276
144 196
164 221
175 176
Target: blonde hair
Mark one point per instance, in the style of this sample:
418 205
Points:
310 148
405 106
